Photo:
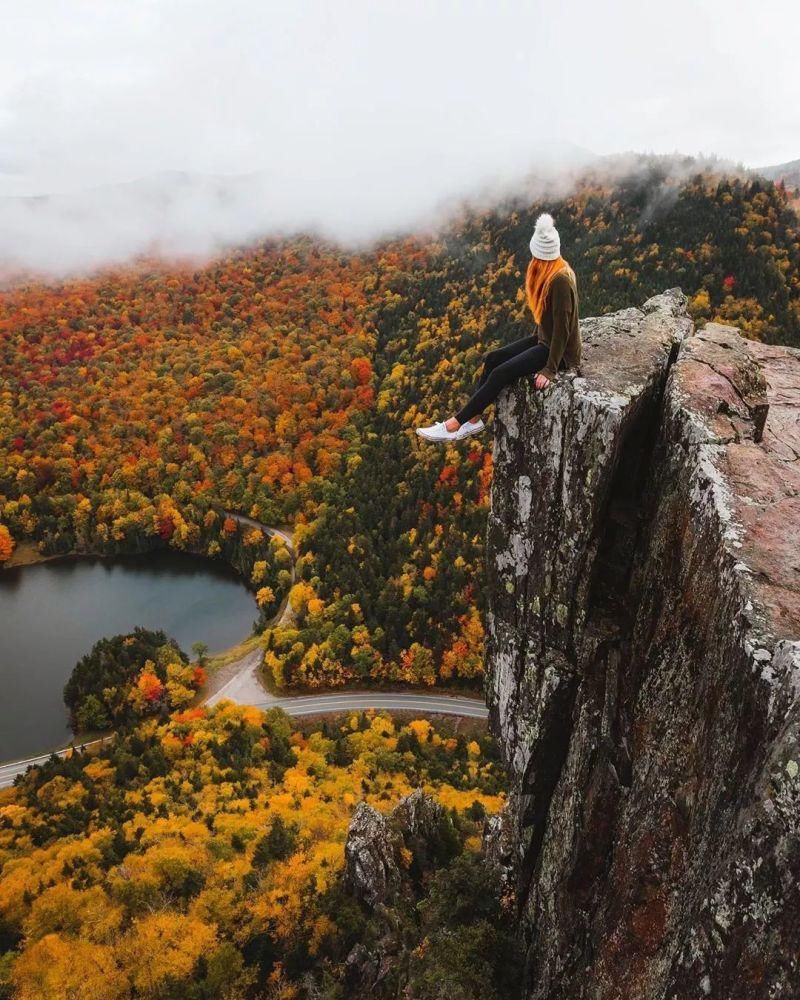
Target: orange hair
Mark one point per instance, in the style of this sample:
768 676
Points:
537 282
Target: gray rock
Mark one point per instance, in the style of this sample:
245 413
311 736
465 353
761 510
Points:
417 815
498 847
643 663
370 851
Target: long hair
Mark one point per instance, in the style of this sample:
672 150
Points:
537 282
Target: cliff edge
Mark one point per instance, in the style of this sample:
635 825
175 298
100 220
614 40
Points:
643 662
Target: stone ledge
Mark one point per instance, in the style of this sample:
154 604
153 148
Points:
643 668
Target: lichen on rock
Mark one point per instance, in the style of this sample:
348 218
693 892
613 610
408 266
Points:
643 663
371 870
374 843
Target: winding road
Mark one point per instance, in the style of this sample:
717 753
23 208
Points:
244 687
311 704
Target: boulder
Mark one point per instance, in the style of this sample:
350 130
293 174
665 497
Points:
373 844
417 816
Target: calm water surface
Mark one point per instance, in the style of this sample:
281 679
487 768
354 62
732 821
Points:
52 613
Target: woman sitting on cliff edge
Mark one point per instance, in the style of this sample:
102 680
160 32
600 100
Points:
552 294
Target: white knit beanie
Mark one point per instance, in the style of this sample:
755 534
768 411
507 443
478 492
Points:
545 242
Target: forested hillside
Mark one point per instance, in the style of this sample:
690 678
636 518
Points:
286 381
201 853
201 858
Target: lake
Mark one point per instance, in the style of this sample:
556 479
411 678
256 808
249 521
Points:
52 613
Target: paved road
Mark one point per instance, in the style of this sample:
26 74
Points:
399 701
245 688
244 519
313 704
9 771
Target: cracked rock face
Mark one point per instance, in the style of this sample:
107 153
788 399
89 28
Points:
371 871
374 874
371 851
498 846
643 661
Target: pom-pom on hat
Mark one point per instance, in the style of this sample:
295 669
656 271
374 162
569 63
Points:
545 242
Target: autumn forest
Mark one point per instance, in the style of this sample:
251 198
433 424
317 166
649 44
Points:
200 853
285 382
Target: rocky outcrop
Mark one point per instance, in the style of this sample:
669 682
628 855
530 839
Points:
644 664
371 872
381 853
417 817
374 841
498 848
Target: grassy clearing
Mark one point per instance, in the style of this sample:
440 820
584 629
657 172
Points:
219 660
25 554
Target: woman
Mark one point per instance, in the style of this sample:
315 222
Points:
553 299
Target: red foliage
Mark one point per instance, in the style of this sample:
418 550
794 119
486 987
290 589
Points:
190 715
166 527
364 396
150 686
361 369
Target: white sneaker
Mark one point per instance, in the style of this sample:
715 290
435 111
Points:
469 428
438 432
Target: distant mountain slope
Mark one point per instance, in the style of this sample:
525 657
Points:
789 173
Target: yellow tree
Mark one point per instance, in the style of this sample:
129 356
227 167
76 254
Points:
164 945
56 967
6 544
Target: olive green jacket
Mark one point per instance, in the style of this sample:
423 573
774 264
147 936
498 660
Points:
559 328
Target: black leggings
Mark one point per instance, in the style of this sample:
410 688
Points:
501 368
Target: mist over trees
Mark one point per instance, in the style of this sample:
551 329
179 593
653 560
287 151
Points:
200 853
286 381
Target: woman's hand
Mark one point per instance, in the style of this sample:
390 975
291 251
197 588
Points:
541 381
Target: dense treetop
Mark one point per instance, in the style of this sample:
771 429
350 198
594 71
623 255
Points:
201 856
286 380
125 677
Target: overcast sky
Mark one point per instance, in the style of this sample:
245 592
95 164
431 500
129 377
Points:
362 116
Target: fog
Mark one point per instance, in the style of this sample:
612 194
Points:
181 126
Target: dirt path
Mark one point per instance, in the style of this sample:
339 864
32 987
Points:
239 680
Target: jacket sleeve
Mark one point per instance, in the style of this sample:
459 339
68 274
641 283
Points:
562 306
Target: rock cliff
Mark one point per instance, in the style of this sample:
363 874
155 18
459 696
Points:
372 850
643 661
384 856
371 869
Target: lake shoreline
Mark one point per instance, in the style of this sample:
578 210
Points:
28 554
51 617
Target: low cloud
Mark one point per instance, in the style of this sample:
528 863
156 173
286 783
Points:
184 126
190 215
